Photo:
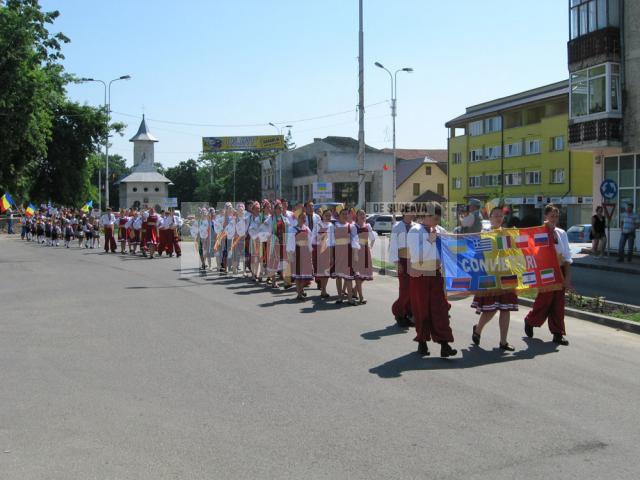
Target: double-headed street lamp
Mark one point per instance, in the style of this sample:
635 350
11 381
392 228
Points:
394 93
107 103
279 129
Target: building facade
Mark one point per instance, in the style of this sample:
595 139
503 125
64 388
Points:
604 117
332 160
514 149
144 185
420 175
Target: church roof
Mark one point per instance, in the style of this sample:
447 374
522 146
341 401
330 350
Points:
143 134
142 176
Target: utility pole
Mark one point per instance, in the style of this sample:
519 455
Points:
361 180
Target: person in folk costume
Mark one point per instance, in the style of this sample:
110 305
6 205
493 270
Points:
550 304
255 219
96 234
362 260
40 229
487 305
218 238
345 241
299 251
108 221
80 233
55 233
277 260
88 233
176 228
135 233
68 232
322 243
264 235
223 242
153 222
288 214
399 255
201 233
312 220
47 231
247 239
428 300
240 233
165 240
122 230
143 232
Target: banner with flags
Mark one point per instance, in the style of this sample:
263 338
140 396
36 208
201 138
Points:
31 209
5 202
87 206
507 259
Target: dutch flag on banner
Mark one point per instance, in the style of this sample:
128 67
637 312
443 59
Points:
522 241
541 239
529 278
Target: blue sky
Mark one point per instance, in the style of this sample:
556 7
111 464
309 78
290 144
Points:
251 62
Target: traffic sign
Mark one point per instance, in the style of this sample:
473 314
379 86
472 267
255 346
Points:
609 189
609 210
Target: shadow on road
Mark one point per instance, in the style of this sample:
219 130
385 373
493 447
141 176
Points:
471 357
385 332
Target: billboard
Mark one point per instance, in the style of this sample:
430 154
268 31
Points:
322 190
242 144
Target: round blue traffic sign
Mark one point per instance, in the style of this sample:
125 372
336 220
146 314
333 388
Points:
609 189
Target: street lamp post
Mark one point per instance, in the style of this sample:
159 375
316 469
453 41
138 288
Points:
107 102
280 162
394 96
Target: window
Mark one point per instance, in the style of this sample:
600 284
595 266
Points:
512 179
441 189
475 181
558 143
475 128
493 124
595 90
492 180
533 178
513 149
135 189
532 147
457 158
427 170
156 189
590 15
145 189
457 183
557 175
416 189
492 152
476 155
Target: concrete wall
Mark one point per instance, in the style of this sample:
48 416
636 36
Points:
631 98
152 198
143 149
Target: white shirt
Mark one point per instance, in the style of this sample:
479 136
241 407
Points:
398 240
562 247
107 220
166 223
291 238
420 248
324 226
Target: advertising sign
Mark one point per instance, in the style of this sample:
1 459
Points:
242 144
322 190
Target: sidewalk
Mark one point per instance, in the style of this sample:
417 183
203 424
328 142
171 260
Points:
610 264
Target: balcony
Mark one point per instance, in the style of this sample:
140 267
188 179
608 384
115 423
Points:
604 132
596 47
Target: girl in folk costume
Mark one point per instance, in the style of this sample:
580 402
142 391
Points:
135 234
264 236
299 250
240 232
68 232
254 240
95 239
143 233
277 260
122 230
201 232
80 232
550 304
152 232
247 240
56 233
428 301
218 239
47 231
487 305
88 233
322 250
345 240
40 229
362 260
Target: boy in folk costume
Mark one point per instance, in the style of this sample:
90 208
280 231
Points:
322 250
550 304
428 301
362 260
399 255
299 251
143 233
487 305
165 240
277 260
345 241
122 230
175 233
135 232
152 232
108 221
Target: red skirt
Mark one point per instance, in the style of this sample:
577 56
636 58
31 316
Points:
362 265
506 302
342 262
122 234
302 264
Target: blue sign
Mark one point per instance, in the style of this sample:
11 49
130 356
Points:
609 189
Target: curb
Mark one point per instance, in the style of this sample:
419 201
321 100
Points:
608 268
617 323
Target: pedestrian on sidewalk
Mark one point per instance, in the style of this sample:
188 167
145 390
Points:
628 225
598 235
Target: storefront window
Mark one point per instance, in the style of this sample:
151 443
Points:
626 171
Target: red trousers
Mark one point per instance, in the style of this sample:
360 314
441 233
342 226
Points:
165 242
548 305
430 309
176 243
109 240
402 306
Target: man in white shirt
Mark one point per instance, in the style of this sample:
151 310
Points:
551 304
107 221
398 254
628 225
177 226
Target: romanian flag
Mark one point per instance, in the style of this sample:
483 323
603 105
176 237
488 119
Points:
522 259
87 206
5 202
31 209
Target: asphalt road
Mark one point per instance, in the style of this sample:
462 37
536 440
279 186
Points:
117 367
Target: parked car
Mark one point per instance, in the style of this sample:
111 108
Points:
384 223
579 233
371 218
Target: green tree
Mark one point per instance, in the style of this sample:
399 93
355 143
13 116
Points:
185 180
31 87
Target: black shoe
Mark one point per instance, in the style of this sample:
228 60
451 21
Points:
304 294
560 340
446 350
423 350
506 347
475 336
528 330
403 322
